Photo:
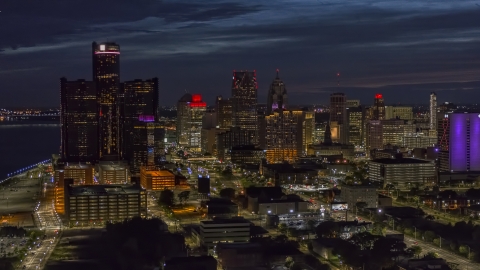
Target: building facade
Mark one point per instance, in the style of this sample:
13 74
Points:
156 180
285 135
354 194
142 137
233 137
402 172
338 114
398 112
459 142
213 232
433 113
106 76
78 120
378 107
88 205
223 108
244 100
190 111
356 116
277 96
417 140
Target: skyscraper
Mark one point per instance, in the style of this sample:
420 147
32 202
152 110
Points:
223 109
433 113
378 107
285 135
338 114
106 76
459 141
356 117
140 132
244 100
78 119
277 96
190 111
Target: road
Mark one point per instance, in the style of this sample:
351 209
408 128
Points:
463 263
50 223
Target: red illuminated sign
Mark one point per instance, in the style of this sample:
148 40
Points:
197 98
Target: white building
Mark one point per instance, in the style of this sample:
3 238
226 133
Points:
401 172
212 232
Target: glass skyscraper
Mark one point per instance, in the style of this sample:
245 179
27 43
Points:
106 76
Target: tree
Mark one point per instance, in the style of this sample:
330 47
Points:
361 205
282 228
327 229
183 196
311 224
431 255
379 228
227 193
386 248
364 240
415 251
429 236
289 262
167 198
401 199
463 249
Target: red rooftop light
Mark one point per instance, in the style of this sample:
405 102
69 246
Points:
378 96
197 98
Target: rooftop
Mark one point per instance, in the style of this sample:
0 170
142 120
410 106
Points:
160 173
400 161
226 221
88 190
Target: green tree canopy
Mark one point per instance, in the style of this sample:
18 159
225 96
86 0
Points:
167 198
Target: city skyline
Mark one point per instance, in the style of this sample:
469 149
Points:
377 46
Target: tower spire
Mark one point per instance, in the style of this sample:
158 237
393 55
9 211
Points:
277 73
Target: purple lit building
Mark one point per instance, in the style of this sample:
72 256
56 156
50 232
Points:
459 139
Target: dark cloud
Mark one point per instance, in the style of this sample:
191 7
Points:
376 45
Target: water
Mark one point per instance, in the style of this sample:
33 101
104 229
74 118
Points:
24 144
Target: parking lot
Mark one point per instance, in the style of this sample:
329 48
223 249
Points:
300 222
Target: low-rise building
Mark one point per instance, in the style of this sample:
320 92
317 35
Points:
86 205
354 194
401 171
221 208
219 230
287 173
81 174
272 201
156 179
113 172
333 149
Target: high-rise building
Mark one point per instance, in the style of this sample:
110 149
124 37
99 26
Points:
106 75
78 118
141 134
230 138
398 112
353 103
356 117
433 113
277 96
285 135
244 100
223 108
338 114
459 142
378 107
383 132
190 111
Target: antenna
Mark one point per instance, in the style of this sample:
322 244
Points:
186 91
338 79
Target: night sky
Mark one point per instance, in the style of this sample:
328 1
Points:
402 48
